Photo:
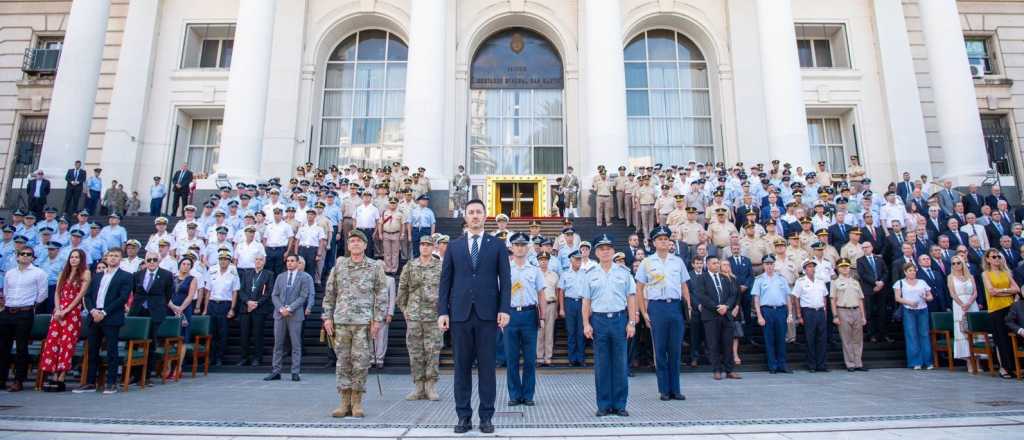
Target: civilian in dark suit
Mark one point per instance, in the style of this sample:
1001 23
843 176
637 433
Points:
474 297
875 235
152 288
956 237
873 275
839 233
972 200
997 228
934 224
696 330
105 299
181 181
992 200
975 255
291 293
894 243
937 282
1015 319
630 251
74 179
37 189
254 305
905 187
717 296
1011 254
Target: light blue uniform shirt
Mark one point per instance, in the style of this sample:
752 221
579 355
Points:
771 291
113 236
7 248
663 279
61 237
527 281
573 283
51 267
157 191
52 224
420 217
81 227
65 252
94 247
94 184
32 234
607 291
333 214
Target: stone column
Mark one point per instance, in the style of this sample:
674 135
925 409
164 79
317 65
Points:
245 109
425 90
909 143
605 141
74 90
125 119
956 106
785 113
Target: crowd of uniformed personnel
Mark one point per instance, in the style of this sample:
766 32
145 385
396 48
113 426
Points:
718 252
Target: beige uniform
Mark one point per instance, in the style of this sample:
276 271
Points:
689 232
853 252
546 334
602 187
797 257
830 254
629 189
674 219
807 239
666 204
720 232
406 208
646 197
790 271
847 296
754 249
620 195
391 222
710 214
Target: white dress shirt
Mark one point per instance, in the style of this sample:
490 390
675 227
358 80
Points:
25 288
246 252
278 234
367 216
101 295
223 285
310 235
812 293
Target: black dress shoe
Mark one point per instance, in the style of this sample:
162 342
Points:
272 376
851 369
622 412
786 371
528 402
464 426
823 370
665 397
860 369
331 364
515 402
242 363
678 397
486 426
295 378
255 363
600 413
812 370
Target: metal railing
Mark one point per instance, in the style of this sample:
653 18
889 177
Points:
40 61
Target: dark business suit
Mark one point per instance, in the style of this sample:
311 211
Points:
940 292
74 178
118 291
995 230
152 302
1011 256
472 297
696 330
876 236
972 203
876 302
718 328
180 183
993 201
904 189
254 286
956 238
36 204
839 235
935 227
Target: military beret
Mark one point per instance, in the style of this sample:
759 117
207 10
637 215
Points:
358 234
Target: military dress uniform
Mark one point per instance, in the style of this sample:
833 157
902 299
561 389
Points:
417 298
355 296
620 193
574 288
546 334
520 335
392 223
847 305
602 187
662 282
646 196
772 295
812 296
607 297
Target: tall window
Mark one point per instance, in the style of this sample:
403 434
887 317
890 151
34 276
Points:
204 145
822 46
668 100
978 53
826 139
208 46
515 109
364 100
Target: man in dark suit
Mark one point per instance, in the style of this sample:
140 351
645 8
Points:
839 233
152 290
290 295
934 224
1010 254
972 200
37 189
696 327
253 306
474 298
992 200
105 299
873 275
630 251
936 281
956 237
717 297
895 240
74 178
182 180
996 228
905 187
873 234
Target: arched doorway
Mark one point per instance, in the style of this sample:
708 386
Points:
516 119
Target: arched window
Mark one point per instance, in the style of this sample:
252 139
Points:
363 100
668 100
515 106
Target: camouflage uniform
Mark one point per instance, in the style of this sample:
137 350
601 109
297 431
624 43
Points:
417 297
355 295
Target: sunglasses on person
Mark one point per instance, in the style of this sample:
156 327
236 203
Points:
152 260
25 254
995 257
958 263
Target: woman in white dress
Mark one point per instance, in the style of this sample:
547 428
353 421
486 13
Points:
965 294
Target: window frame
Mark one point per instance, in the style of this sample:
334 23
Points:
192 34
204 168
529 142
990 54
834 34
814 53
827 146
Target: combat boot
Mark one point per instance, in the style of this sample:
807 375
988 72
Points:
430 390
416 394
357 403
346 402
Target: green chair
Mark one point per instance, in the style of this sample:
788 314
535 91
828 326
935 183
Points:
979 325
941 335
133 350
170 349
40 327
199 326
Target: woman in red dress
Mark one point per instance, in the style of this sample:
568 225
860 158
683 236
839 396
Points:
66 323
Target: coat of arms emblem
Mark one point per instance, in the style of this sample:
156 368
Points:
517 44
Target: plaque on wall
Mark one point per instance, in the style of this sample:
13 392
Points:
516 58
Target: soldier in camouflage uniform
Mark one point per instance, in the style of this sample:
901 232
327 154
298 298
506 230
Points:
417 297
355 298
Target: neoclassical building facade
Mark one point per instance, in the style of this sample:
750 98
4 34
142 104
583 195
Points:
249 89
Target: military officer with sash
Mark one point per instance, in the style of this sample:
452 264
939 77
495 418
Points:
661 286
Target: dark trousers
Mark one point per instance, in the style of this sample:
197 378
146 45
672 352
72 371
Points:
179 196
1001 338
416 234
93 202
521 340
308 253
369 241
252 334
275 259
154 206
473 340
36 205
639 348
696 336
15 329
332 254
667 330
499 355
218 311
574 328
611 380
47 305
775 336
814 332
879 317
71 197
108 334
718 331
